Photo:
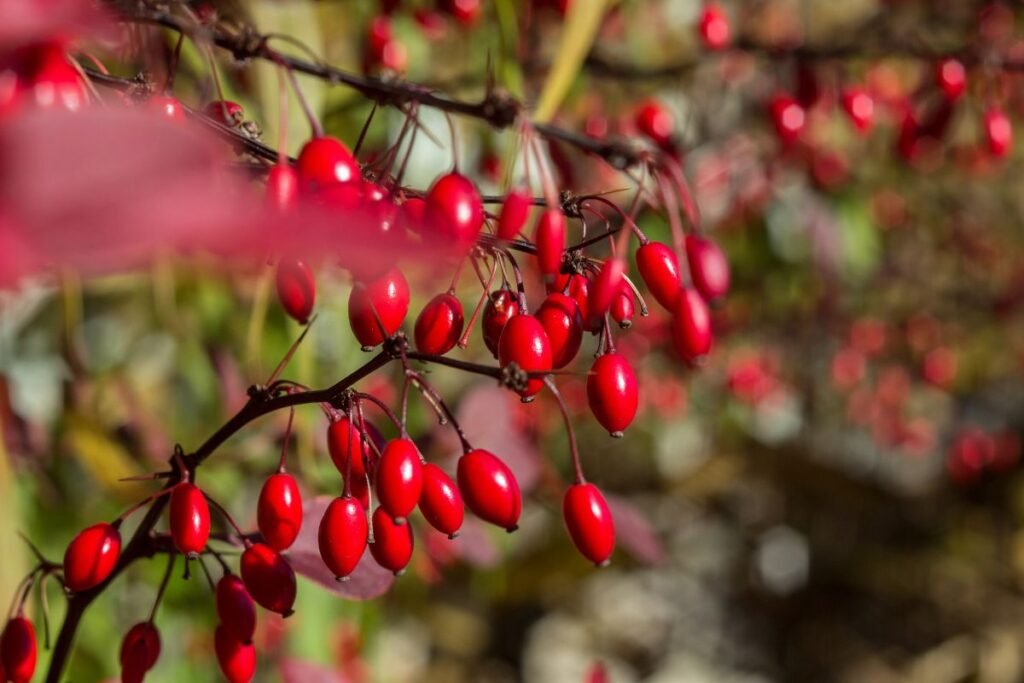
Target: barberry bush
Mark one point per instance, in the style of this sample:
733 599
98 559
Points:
318 316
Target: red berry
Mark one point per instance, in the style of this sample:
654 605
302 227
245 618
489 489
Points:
951 77
708 266
18 650
691 326
455 208
525 343
559 315
606 286
139 651
282 187
439 325
612 392
622 307
91 557
399 478
501 306
55 83
269 578
579 289
714 27
860 107
225 111
789 118
167 106
413 215
237 659
343 440
466 12
490 489
382 49
296 289
392 542
190 518
549 238
279 511
235 608
514 213
659 268
589 522
376 309
440 501
343 535
998 132
326 161
656 122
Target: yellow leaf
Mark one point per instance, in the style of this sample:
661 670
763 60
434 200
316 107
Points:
581 25
103 458
13 568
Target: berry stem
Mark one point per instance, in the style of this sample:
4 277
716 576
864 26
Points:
384 408
573 450
163 585
287 439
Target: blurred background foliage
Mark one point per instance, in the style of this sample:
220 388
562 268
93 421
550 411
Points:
834 496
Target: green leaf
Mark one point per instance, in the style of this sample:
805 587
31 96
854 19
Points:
581 26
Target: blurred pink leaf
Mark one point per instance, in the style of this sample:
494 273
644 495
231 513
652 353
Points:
30 22
487 415
474 545
634 532
298 671
108 188
368 581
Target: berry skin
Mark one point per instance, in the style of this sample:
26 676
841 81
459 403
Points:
952 78
440 501
656 122
392 542
343 439
708 266
139 651
376 309
560 317
91 557
860 107
550 240
269 578
235 608
606 286
167 106
589 522
490 489
525 343
622 307
343 535
226 112
382 50
789 118
399 478
514 213
455 209
279 511
691 326
237 659
998 132
296 289
413 215
282 187
501 306
326 161
612 393
466 12
18 650
439 325
714 28
659 268
190 519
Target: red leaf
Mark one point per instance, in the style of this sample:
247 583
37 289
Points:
634 532
367 582
31 22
